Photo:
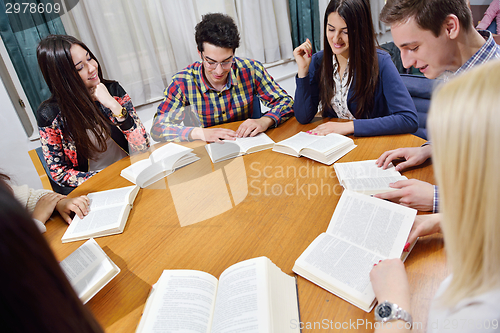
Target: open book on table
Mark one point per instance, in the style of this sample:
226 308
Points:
366 177
108 214
363 230
89 269
251 296
324 149
161 163
241 146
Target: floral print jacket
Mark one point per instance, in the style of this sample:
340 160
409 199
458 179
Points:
60 152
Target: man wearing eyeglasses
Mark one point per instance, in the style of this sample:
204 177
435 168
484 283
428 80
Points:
219 89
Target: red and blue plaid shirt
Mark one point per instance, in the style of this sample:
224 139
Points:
191 102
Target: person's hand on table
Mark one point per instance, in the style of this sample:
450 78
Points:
425 225
414 156
252 127
411 193
212 134
79 205
302 55
344 128
45 206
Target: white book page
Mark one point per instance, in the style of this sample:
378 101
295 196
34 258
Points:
329 142
242 303
86 267
251 142
96 221
167 151
298 141
330 261
185 160
131 172
182 301
284 300
374 224
371 185
117 196
221 151
363 169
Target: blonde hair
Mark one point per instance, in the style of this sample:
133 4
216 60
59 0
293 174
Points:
464 125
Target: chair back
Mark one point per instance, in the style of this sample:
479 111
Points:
56 187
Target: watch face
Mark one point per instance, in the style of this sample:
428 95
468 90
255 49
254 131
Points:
384 311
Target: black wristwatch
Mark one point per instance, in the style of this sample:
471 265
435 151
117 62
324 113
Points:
387 311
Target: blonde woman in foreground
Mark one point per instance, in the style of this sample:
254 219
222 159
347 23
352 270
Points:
464 125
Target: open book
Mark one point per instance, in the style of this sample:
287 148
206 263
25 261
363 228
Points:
324 149
366 177
363 230
89 269
251 296
241 146
161 163
108 214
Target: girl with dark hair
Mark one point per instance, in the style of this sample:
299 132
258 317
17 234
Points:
36 295
88 123
351 78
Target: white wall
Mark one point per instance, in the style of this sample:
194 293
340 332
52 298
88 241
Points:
15 145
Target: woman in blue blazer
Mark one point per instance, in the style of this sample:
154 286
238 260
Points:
351 78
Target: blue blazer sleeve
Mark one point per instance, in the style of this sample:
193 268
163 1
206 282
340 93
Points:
394 111
307 91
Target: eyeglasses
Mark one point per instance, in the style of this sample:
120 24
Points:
214 64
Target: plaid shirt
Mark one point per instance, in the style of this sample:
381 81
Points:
489 51
190 100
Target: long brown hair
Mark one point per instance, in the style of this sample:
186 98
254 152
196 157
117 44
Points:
36 295
363 61
79 112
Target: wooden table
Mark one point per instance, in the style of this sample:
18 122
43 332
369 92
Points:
263 204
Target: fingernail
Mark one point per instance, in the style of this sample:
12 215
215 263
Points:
374 265
380 261
407 247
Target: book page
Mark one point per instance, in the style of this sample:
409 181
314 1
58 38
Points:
87 269
371 185
363 169
340 267
377 225
284 299
96 221
182 301
242 303
223 151
298 141
248 143
185 160
118 196
131 172
329 142
167 151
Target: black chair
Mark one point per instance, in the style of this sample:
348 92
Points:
420 89
56 187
